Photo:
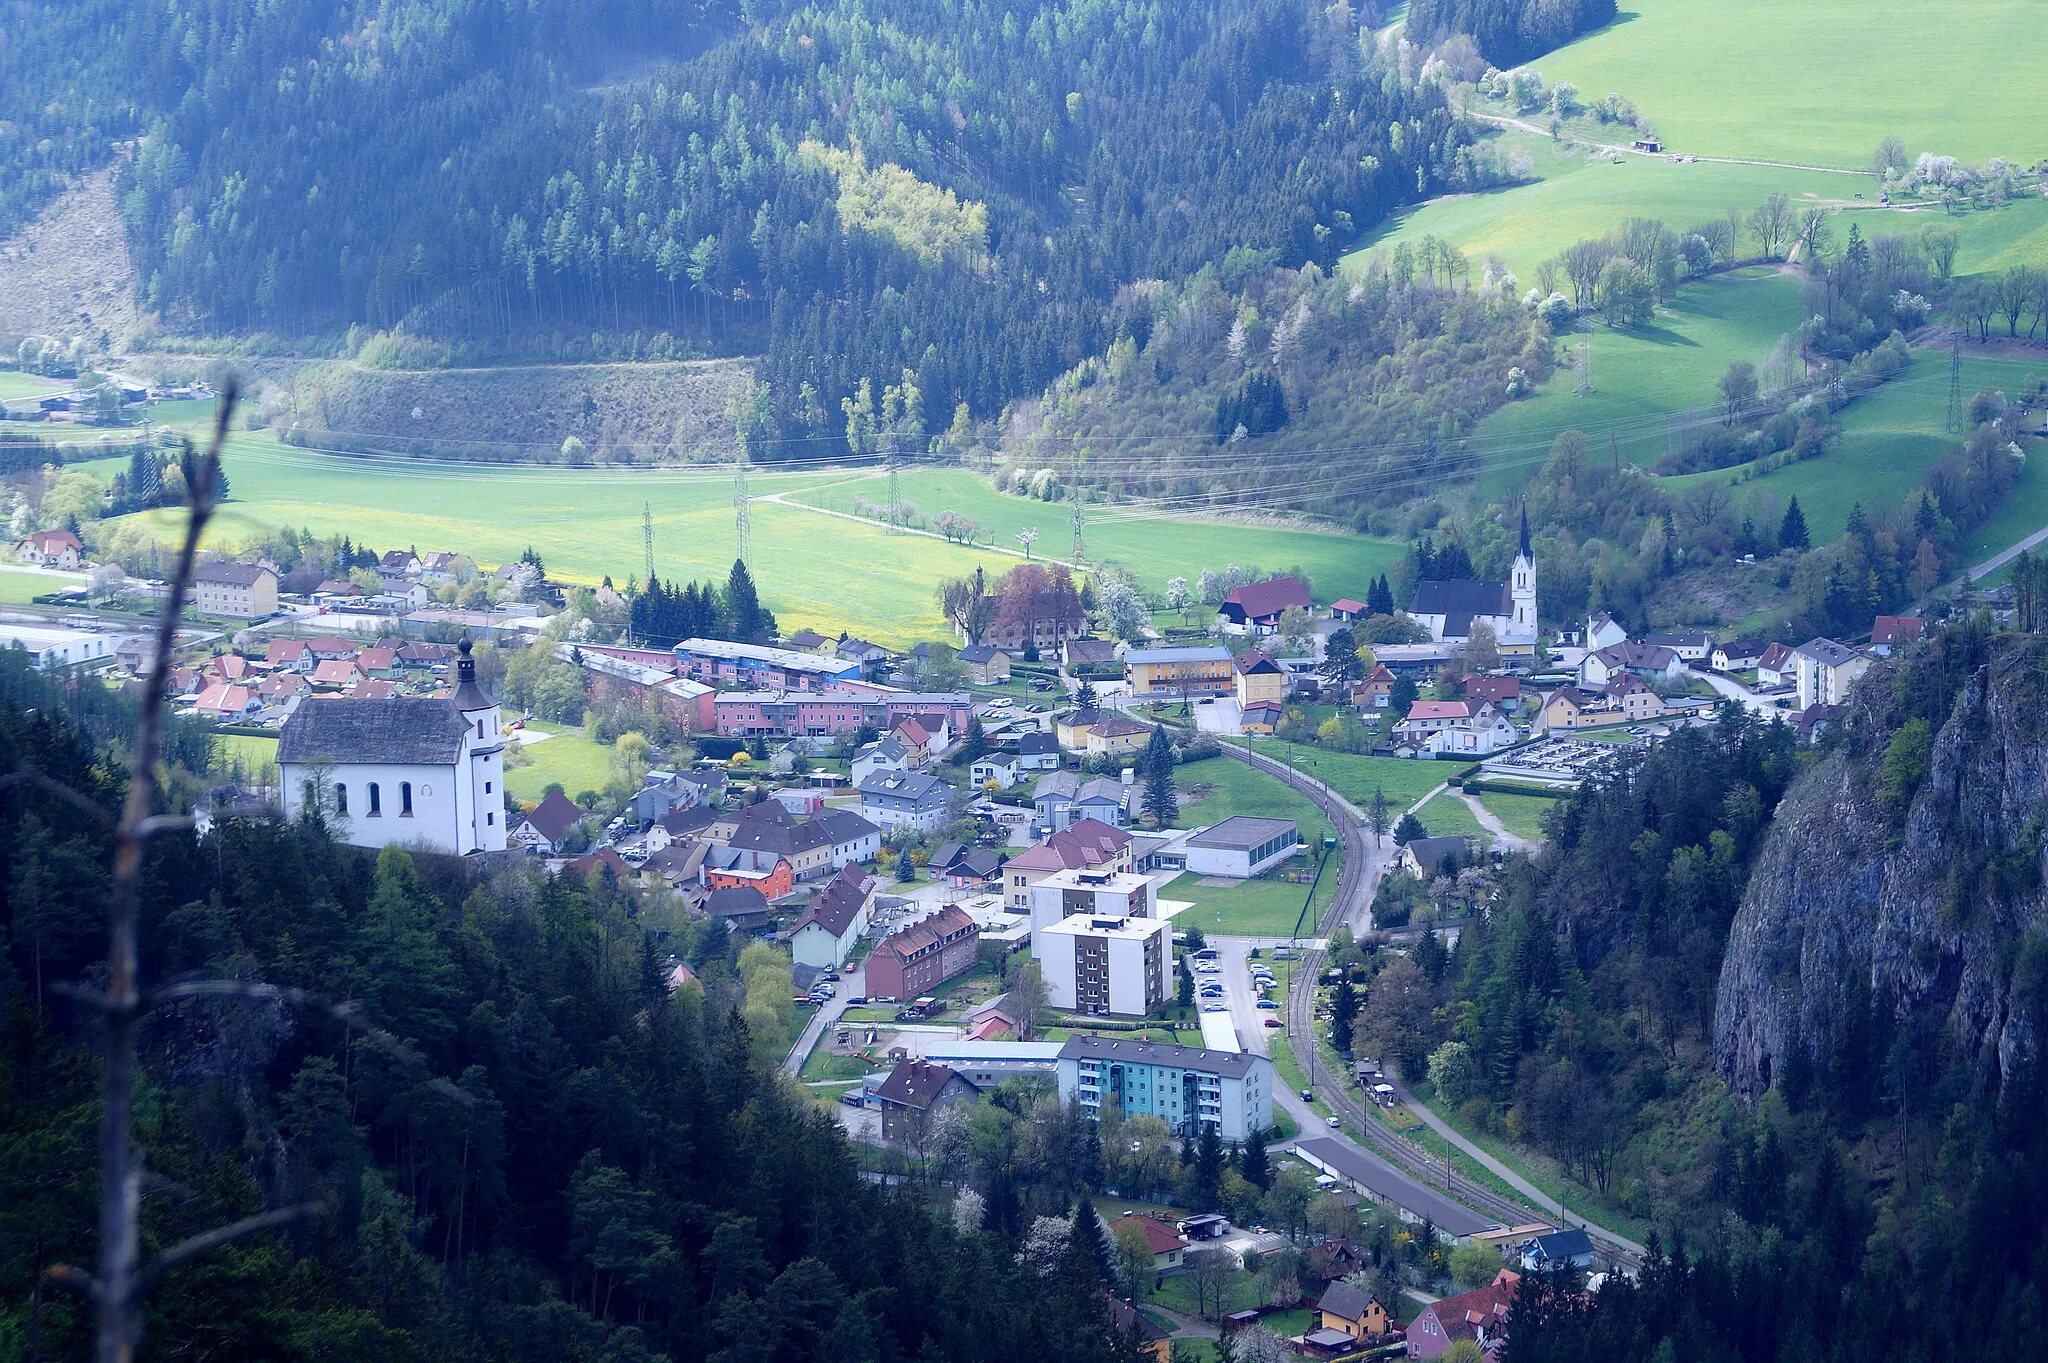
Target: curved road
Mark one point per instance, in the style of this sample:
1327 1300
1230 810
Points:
1363 867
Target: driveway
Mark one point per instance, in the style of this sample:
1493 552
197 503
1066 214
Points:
1732 689
852 982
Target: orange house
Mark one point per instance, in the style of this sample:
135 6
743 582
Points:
773 883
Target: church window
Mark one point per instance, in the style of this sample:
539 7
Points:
376 801
405 799
340 798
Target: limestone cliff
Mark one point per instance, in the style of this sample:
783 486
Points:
1853 910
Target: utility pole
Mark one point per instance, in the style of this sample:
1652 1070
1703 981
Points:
742 509
647 538
1955 383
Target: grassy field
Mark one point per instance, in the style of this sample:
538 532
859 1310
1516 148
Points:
1234 788
1448 815
15 384
1154 547
1523 814
18 586
257 755
1355 776
579 763
1739 78
1255 908
1889 438
1642 377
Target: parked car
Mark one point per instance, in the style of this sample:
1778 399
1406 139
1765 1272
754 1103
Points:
1334 1123
852 1098
1215 1007
857 1000
1267 1004
1275 1022
1308 1095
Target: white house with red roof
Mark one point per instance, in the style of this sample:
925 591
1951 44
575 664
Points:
50 549
1456 726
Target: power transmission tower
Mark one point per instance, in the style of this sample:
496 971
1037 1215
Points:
1079 544
895 494
647 538
742 510
1585 384
1955 383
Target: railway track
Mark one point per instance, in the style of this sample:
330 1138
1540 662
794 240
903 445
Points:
1335 1089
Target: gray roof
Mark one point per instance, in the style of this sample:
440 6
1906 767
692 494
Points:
237 574
912 786
1214 654
1382 1179
1562 1244
1827 652
1228 1064
1243 832
402 730
844 825
1458 600
1342 1299
1430 852
979 653
1037 741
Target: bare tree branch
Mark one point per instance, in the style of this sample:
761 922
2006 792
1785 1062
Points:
25 776
208 1241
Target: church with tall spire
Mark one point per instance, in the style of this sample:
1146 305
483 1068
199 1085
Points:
1449 608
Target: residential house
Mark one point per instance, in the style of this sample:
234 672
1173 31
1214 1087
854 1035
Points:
1571 707
1346 609
1113 735
1559 1249
1736 655
1457 726
861 653
904 799
300 582
768 833
1503 693
1162 672
1635 698
854 839
1063 798
664 792
1126 1321
1813 721
966 868
289 653
681 825
1691 646
336 674
1073 726
1776 667
1651 662
226 701
1086 844
379 662
834 920
1261 717
1088 653
809 641
605 857
50 549
373 688
1374 692
1354 1311
998 767
328 647
1169 1248
986 664
924 737
1038 750
883 755
727 868
281 687
1426 858
1824 670
1894 631
1480 1316
914 960
909 1097
230 667
1603 631
1259 678
236 591
742 908
1256 607
548 824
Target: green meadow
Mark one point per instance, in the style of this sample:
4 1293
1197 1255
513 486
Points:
577 762
1821 81
1155 547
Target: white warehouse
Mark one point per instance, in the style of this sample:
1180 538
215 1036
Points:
1242 846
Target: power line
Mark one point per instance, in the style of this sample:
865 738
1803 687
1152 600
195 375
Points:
647 537
742 509
1955 384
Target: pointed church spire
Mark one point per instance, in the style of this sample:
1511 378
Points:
1525 534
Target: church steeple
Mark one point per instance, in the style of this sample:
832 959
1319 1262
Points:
1525 553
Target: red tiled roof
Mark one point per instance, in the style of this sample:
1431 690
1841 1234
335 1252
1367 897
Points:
283 651
1347 604
1492 688
1896 629
1462 1317
1440 709
1275 594
1161 1237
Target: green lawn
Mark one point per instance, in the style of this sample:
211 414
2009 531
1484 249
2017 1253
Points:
1745 78
1154 547
1448 814
15 384
1263 907
18 586
1355 776
1889 439
579 763
256 754
1641 378
822 1064
1230 787
1523 814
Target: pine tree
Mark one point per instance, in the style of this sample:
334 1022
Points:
1343 1008
975 743
743 616
1208 1169
1408 830
1155 766
1085 698
905 870
1792 534
1253 1164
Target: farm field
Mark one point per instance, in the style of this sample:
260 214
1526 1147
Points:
577 762
16 384
1643 378
1889 439
1738 78
585 522
1152 546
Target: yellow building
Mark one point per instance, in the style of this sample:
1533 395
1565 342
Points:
1113 734
1159 672
239 591
1259 678
1354 1311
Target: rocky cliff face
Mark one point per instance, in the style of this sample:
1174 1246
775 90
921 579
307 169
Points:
1943 915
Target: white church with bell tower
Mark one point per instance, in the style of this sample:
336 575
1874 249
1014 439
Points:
421 772
1448 609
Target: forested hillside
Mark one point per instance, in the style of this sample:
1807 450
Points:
1508 32
947 187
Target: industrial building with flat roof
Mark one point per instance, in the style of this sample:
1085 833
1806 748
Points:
1242 846
51 647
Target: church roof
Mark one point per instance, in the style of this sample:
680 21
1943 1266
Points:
401 730
1458 600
